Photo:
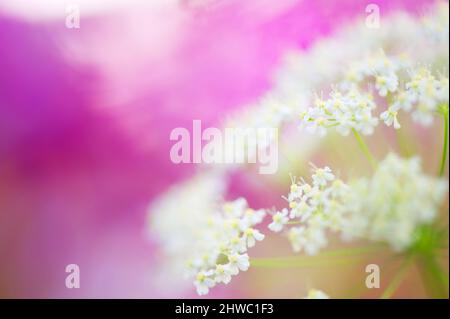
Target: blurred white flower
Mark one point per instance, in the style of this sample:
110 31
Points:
428 93
238 263
223 274
386 83
203 282
279 219
252 235
322 176
389 117
390 206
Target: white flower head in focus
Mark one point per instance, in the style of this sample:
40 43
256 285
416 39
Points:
222 242
342 111
314 207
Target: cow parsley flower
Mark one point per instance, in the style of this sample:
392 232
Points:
387 207
386 83
252 235
223 240
342 111
208 239
223 273
203 282
238 263
279 219
390 206
322 176
389 117
428 93
315 207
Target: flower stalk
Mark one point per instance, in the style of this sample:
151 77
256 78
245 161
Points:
444 112
365 149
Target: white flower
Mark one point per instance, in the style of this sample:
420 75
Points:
238 263
310 238
322 176
390 206
235 208
302 209
238 244
252 235
315 121
428 93
203 282
387 207
223 274
210 244
253 217
404 100
318 208
316 294
386 83
343 111
390 117
279 220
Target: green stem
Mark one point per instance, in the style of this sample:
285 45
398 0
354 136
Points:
365 149
397 280
445 146
343 255
436 282
403 140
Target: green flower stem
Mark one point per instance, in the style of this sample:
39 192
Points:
398 278
435 281
405 146
444 112
365 149
341 256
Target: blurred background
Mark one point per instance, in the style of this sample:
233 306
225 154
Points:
85 118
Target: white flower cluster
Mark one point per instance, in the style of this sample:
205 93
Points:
391 205
424 94
342 111
387 207
210 242
221 251
353 108
316 207
410 89
402 37
377 67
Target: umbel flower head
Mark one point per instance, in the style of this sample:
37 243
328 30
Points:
342 111
209 240
388 207
316 207
221 250
391 205
354 108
